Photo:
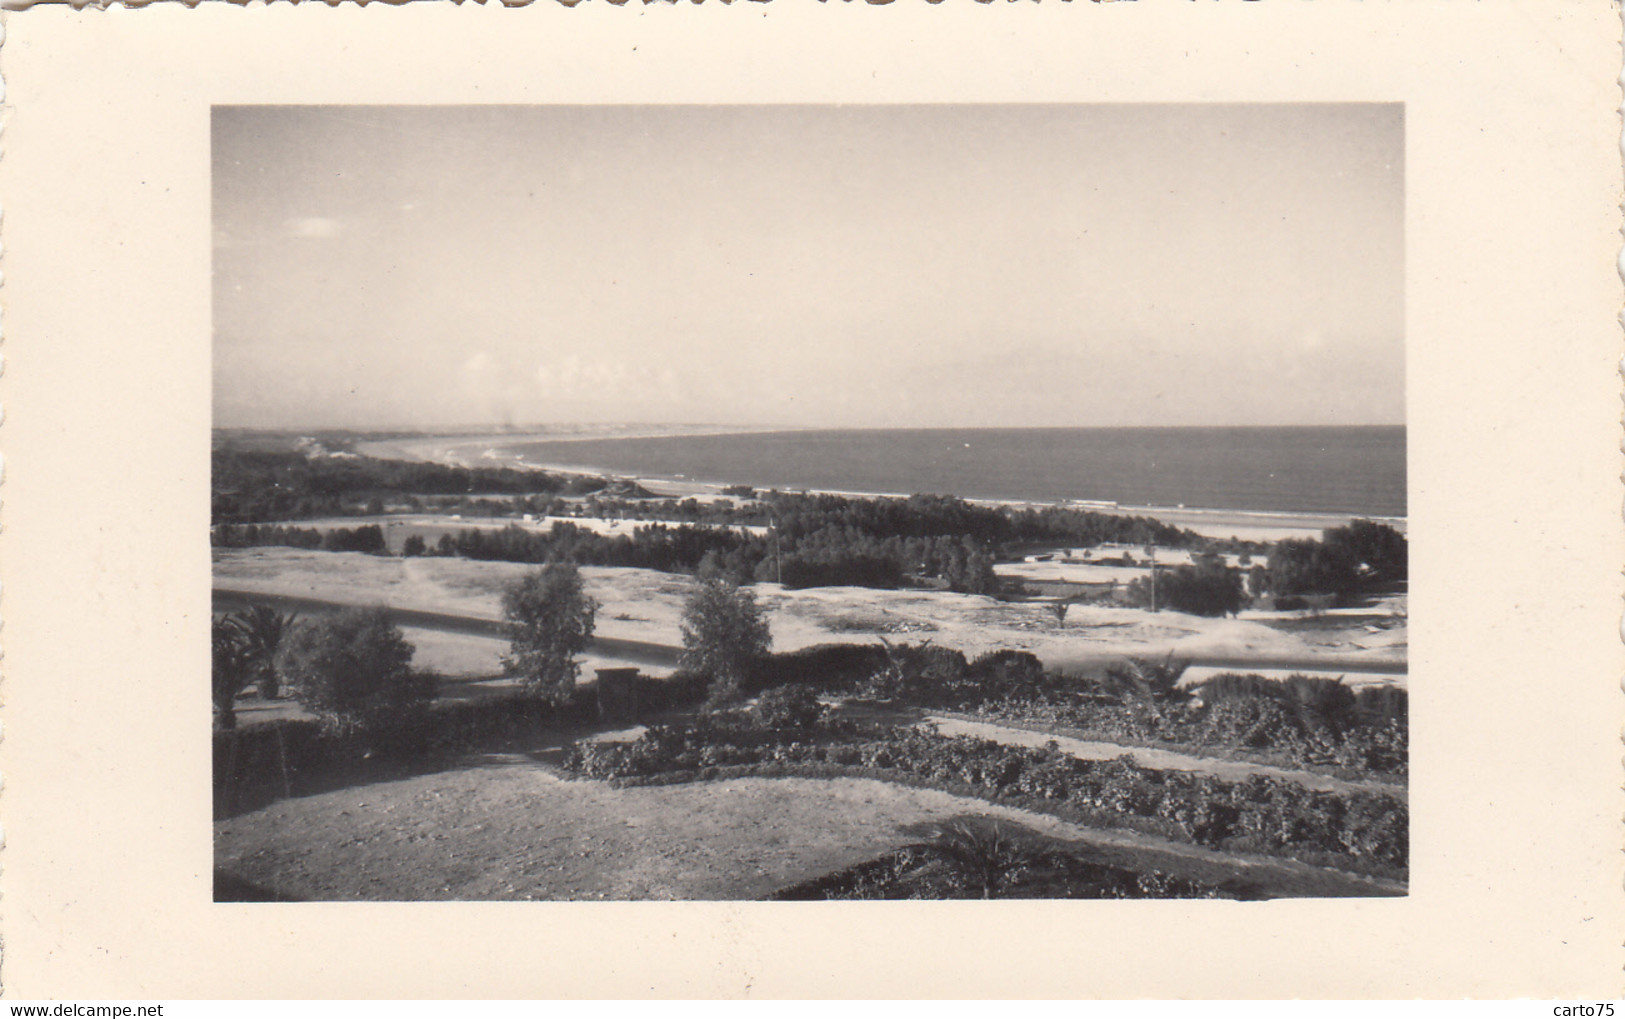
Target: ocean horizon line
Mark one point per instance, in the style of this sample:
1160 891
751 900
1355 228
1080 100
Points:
690 427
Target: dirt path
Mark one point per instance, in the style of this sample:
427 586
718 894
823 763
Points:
512 830
1150 757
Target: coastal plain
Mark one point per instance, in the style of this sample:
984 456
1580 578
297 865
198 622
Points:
507 824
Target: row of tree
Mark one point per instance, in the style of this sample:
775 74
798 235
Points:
1363 556
353 669
261 487
830 556
367 538
1347 560
257 486
797 514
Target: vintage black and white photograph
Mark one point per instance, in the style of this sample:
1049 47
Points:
809 502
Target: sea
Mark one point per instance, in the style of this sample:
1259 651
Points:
1356 471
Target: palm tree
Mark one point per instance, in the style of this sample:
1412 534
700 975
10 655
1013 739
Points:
1148 684
983 857
260 629
233 669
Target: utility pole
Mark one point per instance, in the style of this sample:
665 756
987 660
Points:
778 564
1151 550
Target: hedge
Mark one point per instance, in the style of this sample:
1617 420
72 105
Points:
1367 830
905 874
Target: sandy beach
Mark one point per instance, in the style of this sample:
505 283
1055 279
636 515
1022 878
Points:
496 450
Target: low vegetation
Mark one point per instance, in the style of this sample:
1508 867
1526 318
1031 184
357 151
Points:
980 858
747 712
1361 831
1297 722
252 486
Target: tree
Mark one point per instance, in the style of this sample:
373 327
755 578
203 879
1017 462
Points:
1383 550
232 670
415 546
353 670
551 617
724 635
978 576
1305 566
1258 580
260 630
1204 590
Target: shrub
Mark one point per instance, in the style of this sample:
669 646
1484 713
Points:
1147 686
1269 814
1311 703
353 671
1321 702
1378 705
680 690
788 707
978 855
1007 675
826 668
919 674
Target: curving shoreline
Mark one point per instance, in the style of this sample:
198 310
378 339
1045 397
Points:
495 450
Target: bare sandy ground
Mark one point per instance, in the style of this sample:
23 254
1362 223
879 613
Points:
1085 565
397 527
514 830
645 605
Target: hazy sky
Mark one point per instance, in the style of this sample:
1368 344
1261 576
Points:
840 266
